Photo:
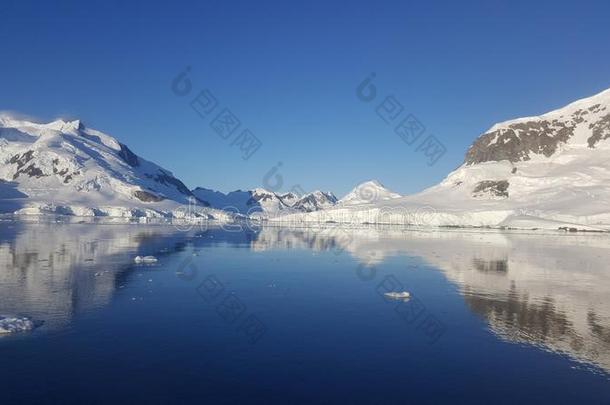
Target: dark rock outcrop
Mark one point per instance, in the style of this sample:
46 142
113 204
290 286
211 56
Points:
21 161
517 141
600 131
257 197
128 156
314 201
167 179
491 188
145 196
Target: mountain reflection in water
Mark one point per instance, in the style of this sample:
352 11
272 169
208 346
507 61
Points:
548 290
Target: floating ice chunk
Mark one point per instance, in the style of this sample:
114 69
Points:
145 259
12 324
398 295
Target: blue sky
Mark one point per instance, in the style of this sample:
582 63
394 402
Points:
289 72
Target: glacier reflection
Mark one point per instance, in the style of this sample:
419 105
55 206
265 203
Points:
549 290
52 271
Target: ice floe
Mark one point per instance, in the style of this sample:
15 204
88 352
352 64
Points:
398 295
145 259
12 324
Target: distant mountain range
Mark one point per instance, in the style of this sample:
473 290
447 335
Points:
273 204
549 171
258 200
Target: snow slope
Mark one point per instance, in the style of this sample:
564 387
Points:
63 167
550 171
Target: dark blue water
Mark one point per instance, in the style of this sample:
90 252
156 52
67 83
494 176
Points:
299 317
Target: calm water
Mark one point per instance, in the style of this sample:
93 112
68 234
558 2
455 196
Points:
295 316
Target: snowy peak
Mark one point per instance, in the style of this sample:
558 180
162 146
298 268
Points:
288 198
554 165
315 201
368 192
66 126
65 162
266 201
582 124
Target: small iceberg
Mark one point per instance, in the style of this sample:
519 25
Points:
403 295
12 324
145 259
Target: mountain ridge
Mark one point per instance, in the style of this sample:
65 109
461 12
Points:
262 201
550 171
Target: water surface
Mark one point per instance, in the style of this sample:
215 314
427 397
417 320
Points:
299 315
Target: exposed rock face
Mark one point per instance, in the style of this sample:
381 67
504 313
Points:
261 200
600 131
63 172
259 196
128 156
518 140
30 171
22 160
490 188
167 179
288 198
26 166
318 200
145 196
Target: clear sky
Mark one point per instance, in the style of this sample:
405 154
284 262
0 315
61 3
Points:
289 71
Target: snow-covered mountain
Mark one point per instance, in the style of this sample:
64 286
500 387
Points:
315 201
368 192
547 171
288 198
259 200
244 202
66 168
